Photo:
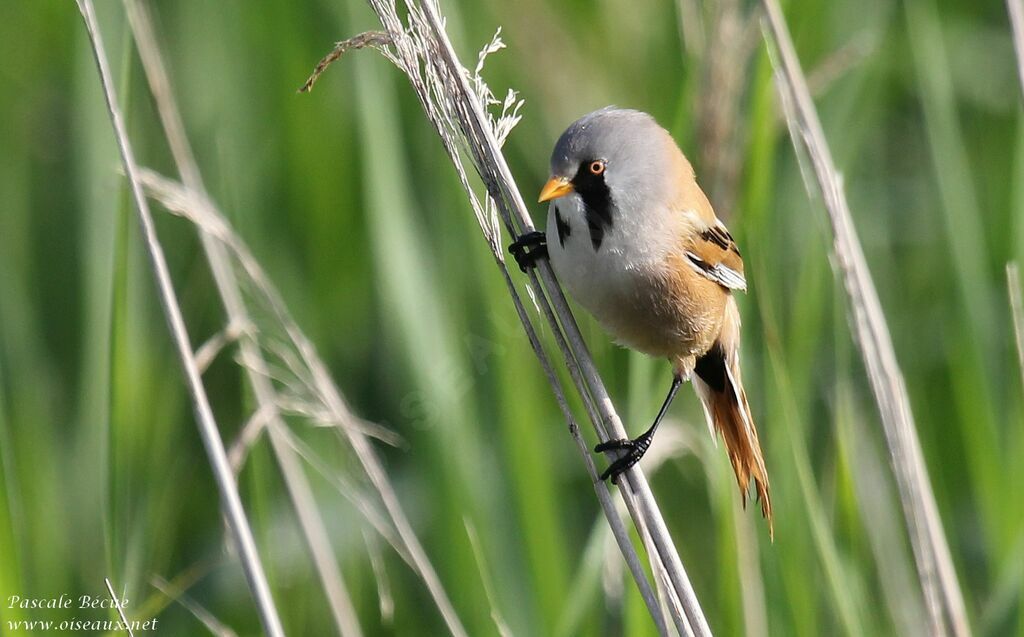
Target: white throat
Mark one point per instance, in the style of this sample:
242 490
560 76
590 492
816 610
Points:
635 245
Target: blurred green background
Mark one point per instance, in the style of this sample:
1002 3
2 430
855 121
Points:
348 201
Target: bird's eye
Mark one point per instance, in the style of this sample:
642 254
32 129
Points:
596 167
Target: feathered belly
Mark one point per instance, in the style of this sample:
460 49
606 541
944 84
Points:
659 318
663 311
635 283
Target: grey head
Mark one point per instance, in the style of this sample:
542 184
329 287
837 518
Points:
618 161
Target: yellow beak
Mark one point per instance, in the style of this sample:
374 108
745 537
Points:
555 188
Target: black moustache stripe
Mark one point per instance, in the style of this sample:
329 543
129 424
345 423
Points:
564 229
597 203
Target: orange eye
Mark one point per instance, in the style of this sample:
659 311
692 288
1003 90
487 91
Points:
596 167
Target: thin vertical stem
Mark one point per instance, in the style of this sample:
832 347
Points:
310 521
1017 312
421 49
1016 10
937 575
238 525
510 200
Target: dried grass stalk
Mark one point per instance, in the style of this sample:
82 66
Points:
1017 313
1016 10
943 598
231 503
267 415
296 383
313 393
456 103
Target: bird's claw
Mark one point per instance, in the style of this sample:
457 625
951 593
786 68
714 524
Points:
634 450
528 248
618 443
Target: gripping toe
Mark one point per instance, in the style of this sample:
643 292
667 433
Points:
611 445
528 248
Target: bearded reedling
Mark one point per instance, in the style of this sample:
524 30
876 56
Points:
635 241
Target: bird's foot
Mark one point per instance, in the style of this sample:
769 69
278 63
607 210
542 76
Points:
634 450
528 248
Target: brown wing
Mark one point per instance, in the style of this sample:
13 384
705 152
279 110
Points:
714 254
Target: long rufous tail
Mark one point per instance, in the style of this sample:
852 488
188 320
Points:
718 383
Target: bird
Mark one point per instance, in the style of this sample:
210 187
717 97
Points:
636 242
